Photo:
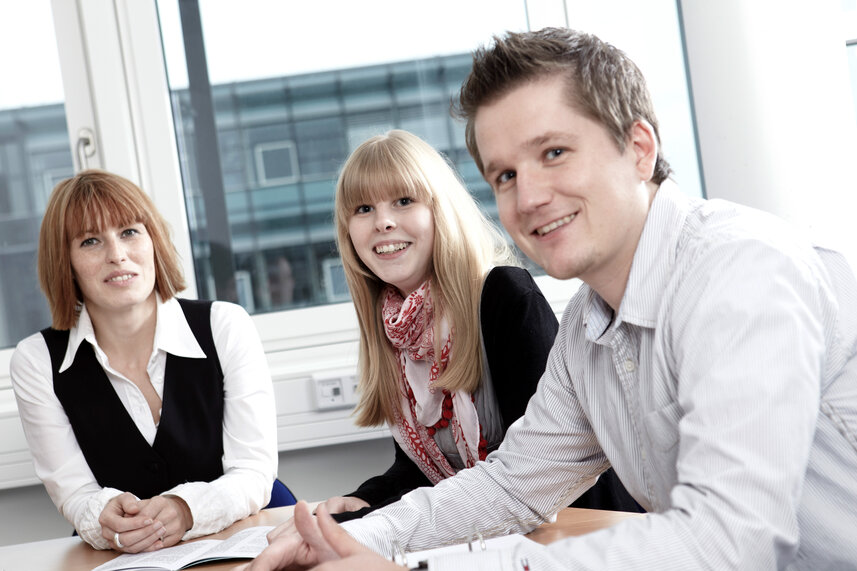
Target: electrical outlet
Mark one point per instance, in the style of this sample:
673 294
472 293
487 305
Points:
335 389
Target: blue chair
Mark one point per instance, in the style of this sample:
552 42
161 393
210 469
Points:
281 495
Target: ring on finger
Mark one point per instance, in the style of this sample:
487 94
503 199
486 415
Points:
116 540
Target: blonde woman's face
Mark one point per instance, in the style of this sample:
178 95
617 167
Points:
394 238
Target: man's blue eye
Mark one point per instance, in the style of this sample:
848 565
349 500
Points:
554 153
506 176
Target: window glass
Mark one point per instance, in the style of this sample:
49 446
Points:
293 90
288 90
34 156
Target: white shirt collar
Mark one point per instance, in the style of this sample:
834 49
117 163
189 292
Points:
172 334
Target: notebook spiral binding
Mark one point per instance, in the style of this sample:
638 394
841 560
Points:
475 542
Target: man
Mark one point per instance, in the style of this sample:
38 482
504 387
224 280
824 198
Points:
710 356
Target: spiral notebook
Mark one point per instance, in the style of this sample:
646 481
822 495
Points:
420 559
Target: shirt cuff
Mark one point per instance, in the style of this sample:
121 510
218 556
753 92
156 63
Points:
371 532
87 525
213 506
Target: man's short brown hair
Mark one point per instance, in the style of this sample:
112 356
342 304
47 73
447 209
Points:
91 201
602 82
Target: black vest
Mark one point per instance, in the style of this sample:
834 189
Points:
188 446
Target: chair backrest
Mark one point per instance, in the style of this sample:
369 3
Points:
281 495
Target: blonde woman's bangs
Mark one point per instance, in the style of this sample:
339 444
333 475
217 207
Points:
379 174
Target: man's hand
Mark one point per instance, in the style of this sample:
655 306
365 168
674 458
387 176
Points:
136 531
317 541
353 555
334 505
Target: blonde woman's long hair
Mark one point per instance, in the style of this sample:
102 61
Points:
466 246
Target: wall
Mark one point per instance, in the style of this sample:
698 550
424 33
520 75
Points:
774 110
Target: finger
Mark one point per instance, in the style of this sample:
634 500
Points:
126 524
307 527
154 547
149 543
308 530
336 536
129 503
113 517
282 529
278 555
152 507
173 513
139 540
137 526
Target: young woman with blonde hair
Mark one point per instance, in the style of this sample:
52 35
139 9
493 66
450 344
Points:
454 337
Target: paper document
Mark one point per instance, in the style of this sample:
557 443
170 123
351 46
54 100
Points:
245 544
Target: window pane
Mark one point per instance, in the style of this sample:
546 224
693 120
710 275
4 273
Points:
288 103
288 90
34 156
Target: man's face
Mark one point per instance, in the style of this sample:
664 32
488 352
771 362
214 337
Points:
571 200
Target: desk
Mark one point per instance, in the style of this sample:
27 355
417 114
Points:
72 554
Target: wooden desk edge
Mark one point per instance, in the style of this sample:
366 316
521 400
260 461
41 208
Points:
572 522
72 554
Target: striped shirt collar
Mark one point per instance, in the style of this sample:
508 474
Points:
650 269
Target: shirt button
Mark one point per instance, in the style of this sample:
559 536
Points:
629 365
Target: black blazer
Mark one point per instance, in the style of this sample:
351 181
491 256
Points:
518 330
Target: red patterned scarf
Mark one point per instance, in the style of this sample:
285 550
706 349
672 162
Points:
409 325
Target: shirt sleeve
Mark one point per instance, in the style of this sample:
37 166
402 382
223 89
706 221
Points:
57 458
249 429
549 457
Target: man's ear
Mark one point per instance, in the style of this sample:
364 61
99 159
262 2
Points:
644 144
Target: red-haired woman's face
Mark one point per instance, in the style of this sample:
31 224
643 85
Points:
114 267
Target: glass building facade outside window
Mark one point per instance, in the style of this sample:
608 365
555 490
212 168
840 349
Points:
260 198
281 142
35 154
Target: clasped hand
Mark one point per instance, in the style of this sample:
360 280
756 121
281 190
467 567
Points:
316 543
144 525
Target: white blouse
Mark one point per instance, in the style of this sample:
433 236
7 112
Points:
249 420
